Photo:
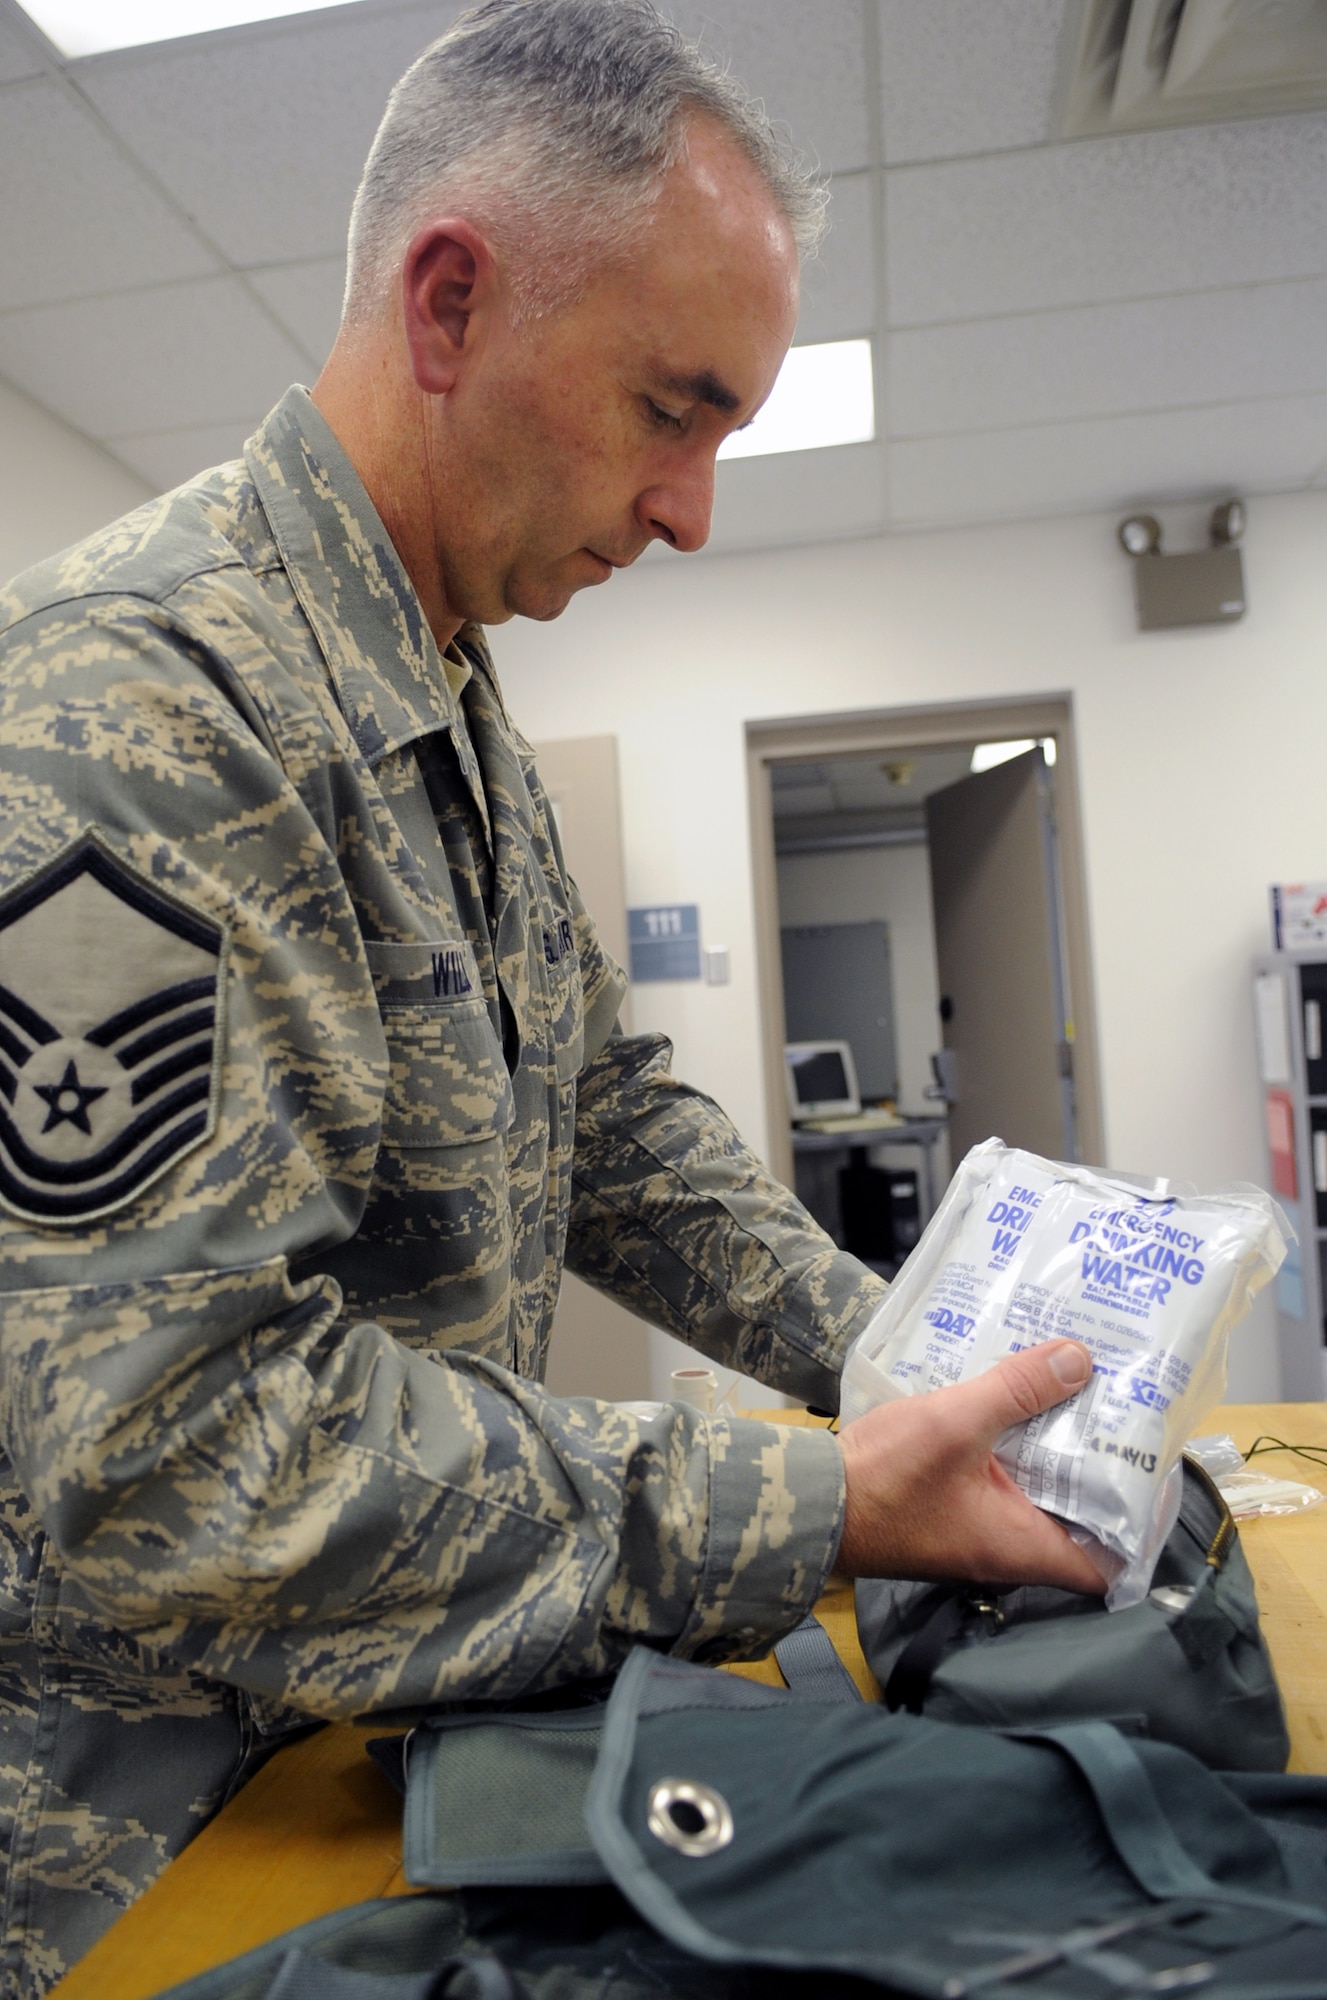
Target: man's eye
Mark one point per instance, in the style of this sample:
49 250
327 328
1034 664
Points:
663 418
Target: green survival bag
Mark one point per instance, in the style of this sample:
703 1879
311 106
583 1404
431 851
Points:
1188 1665
710 1837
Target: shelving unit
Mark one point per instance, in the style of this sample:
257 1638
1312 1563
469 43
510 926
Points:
1291 1017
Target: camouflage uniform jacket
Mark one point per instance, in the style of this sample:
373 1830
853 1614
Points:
307 1077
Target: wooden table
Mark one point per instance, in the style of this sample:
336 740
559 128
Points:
319 1827
1288 1557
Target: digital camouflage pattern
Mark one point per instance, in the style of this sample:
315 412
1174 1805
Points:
308 1073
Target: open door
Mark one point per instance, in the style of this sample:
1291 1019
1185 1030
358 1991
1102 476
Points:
999 941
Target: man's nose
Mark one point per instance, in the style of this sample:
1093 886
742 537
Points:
679 511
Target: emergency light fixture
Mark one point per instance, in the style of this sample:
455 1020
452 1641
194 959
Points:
823 395
1140 535
90 27
1204 587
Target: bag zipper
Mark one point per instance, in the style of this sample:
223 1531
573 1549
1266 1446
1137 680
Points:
1224 1539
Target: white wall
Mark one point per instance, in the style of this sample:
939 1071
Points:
55 487
1201 758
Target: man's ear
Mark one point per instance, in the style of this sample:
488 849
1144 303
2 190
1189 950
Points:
448 284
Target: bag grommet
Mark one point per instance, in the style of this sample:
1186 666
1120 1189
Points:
689 1817
1174 1598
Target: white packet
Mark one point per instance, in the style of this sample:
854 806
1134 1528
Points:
1250 1494
1148 1275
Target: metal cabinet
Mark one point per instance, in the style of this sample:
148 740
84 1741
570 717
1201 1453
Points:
1290 1011
838 986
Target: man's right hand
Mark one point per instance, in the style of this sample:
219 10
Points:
927 1498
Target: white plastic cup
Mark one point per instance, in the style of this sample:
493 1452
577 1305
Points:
697 1386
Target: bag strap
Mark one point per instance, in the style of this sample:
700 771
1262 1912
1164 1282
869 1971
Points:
1136 1820
302 1977
909 1683
811 1667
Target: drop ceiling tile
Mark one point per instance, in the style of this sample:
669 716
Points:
967 76
262 138
1136 215
789 777
793 801
1150 354
800 496
866 789
807 63
168 458
306 298
1263 447
16 58
175 355
838 286
83 220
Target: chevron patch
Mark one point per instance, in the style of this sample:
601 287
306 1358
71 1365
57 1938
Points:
110 997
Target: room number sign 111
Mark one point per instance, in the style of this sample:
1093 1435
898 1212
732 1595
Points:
665 942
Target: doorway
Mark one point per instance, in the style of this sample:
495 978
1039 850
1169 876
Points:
879 820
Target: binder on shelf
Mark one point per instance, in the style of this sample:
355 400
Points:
1289 994
1281 1143
1313 1001
1318 1128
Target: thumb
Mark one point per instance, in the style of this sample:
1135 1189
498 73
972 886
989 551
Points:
1023 1385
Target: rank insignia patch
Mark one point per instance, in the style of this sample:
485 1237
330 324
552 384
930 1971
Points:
110 993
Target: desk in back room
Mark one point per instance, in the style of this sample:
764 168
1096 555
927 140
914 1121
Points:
851 1141
319 1827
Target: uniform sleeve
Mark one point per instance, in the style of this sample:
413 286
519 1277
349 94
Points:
231 1471
675 1216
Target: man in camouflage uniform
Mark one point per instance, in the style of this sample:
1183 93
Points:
309 1076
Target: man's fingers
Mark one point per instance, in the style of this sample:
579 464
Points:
926 1498
1023 1385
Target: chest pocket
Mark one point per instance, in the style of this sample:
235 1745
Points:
448 1083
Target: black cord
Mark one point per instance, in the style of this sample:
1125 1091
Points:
1315 1453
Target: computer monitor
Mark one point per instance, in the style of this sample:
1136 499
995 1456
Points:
822 1080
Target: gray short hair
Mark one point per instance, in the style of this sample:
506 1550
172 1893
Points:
554 121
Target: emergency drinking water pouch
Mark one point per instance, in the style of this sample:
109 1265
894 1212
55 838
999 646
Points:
1148 1276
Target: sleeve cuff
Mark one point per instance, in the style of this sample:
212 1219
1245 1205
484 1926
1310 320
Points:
831 1306
776 1497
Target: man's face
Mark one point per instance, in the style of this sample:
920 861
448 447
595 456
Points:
578 439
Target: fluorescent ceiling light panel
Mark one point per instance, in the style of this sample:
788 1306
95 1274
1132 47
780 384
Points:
89 27
824 395
987 755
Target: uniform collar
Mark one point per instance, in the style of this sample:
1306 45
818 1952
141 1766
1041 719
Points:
365 614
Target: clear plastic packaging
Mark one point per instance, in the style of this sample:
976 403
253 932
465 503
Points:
1248 1493
1149 1275
1219 1455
